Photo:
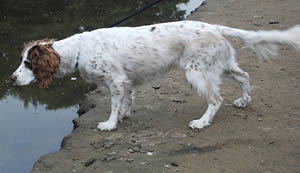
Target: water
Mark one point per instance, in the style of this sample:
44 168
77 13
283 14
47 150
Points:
28 133
33 121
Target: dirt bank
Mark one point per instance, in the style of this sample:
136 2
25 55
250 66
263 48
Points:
263 137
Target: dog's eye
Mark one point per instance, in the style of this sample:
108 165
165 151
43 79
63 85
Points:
28 65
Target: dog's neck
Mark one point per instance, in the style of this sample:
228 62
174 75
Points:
69 52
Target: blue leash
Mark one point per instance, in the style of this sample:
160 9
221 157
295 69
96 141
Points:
135 13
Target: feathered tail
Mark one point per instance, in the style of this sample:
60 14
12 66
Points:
264 43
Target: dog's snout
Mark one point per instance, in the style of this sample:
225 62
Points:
13 77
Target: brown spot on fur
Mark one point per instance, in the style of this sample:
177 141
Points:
153 28
45 61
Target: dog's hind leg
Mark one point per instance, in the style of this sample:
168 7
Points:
126 102
243 79
206 85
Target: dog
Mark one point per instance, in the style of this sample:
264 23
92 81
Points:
123 58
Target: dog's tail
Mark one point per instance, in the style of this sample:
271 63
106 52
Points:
264 43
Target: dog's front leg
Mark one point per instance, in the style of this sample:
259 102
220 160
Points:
117 90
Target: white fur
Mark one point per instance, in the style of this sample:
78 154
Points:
127 57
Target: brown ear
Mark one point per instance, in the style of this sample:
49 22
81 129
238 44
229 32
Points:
45 62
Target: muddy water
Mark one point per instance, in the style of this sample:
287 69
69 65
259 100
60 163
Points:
33 121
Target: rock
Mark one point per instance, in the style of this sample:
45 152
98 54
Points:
86 104
109 157
148 149
177 135
104 144
167 166
149 153
257 24
237 114
156 86
191 134
134 150
258 17
130 150
129 160
89 162
45 164
178 100
81 28
244 116
274 22
175 164
272 142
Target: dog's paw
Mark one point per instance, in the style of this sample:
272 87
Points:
107 126
242 102
199 124
126 114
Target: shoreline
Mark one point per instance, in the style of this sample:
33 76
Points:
156 137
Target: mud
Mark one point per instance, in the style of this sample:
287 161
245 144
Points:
264 137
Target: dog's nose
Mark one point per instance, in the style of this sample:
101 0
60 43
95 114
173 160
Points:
13 77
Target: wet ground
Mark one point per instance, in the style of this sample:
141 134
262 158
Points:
33 121
264 137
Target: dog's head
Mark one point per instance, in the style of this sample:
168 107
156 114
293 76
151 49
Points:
39 61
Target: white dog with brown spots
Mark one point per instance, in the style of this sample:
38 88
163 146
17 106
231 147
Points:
126 57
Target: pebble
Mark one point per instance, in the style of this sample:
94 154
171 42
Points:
134 149
129 160
258 24
258 17
272 142
81 28
244 116
149 153
109 157
89 162
178 100
191 134
175 164
103 145
167 166
274 22
130 150
156 86
237 114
